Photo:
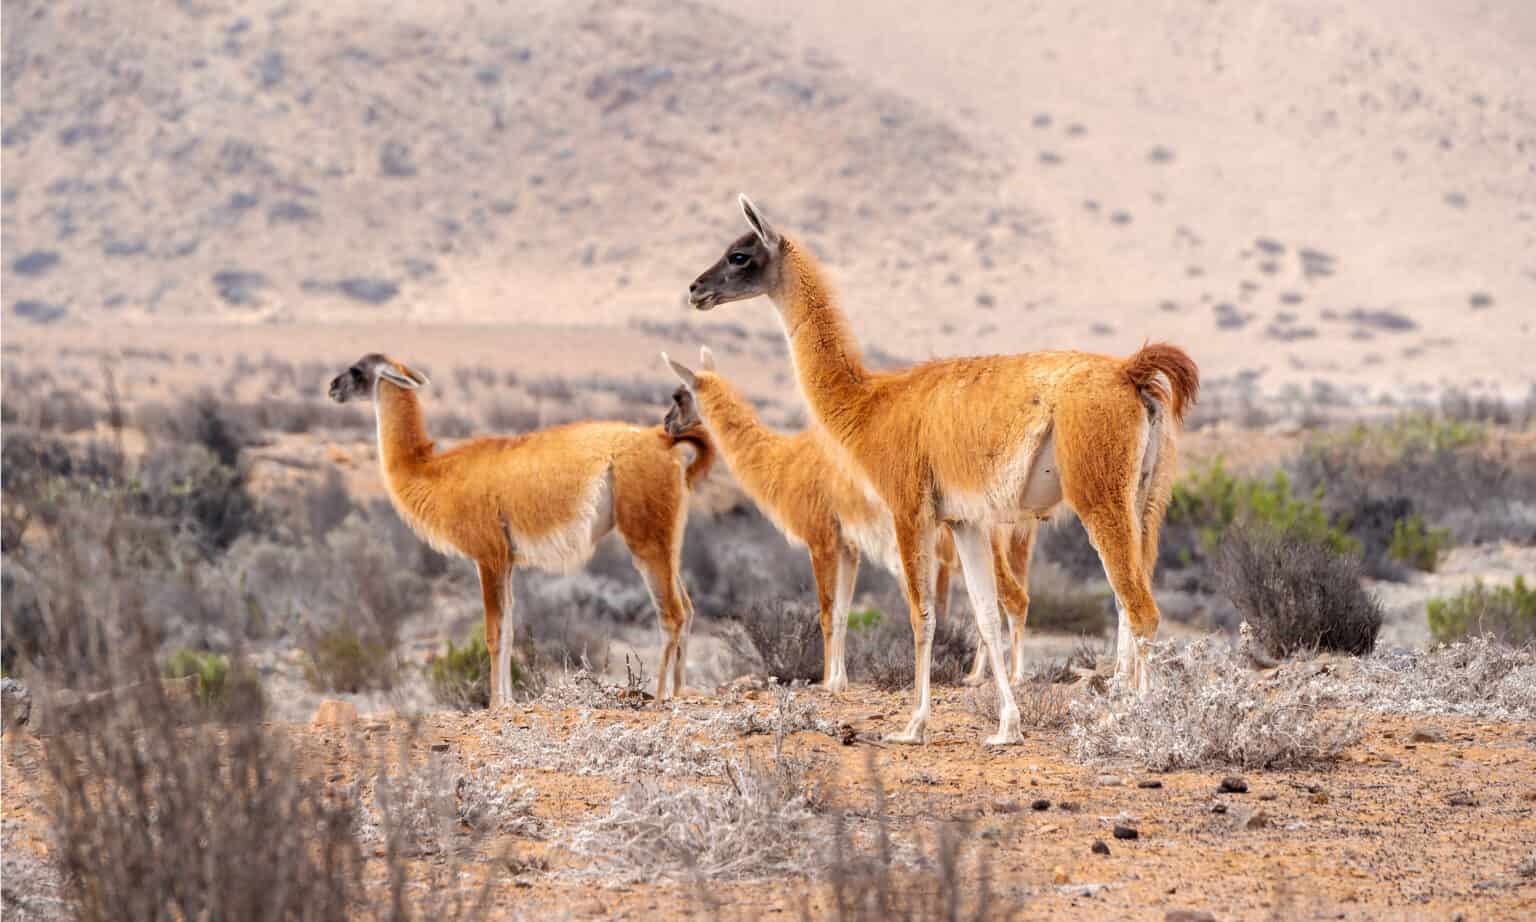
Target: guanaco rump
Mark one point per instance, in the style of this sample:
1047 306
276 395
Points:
974 442
542 499
800 488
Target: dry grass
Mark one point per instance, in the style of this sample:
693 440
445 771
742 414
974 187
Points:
1209 708
1482 677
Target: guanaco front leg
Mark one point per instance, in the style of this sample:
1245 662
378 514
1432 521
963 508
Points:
915 535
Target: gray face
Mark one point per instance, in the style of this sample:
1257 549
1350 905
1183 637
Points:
356 383
684 414
749 268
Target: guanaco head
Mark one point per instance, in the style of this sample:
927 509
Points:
359 381
750 267
684 414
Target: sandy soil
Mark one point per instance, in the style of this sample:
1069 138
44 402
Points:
1373 838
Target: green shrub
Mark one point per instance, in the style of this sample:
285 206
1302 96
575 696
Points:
1417 546
1068 611
221 687
864 619
342 659
1207 504
1506 612
461 676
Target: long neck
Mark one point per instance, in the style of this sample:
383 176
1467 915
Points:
749 447
828 364
403 443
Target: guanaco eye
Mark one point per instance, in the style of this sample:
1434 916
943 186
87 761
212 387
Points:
737 259
356 375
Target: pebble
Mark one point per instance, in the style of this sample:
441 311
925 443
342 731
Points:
1149 785
1067 806
1268 796
1321 797
1126 832
1099 847
1041 804
1218 808
1462 799
1232 784
1251 819
1109 781
440 746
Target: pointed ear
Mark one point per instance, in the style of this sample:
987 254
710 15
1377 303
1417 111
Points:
706 359
684 375
410 380
759 225
414 375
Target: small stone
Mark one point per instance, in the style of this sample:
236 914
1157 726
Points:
1047 828
1041 804
1426 734
1099 847
1218 808
1321 797
1109 781
1232 784
1268 796
1462 799
1059 875
335 776
440 746
1151 784
1188 915
1003 805
1251 819
1126 832
334 712
1068 806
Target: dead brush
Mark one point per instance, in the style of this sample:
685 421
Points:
1208 707
1043 704
1481 677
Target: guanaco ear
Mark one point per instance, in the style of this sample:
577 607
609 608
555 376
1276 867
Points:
759 225
404 377
684 375
706 359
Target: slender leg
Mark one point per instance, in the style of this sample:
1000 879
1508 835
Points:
671 619
1012 549
976 558
1113 532
824 566
914 540
837 655
496 592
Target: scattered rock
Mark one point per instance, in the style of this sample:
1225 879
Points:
1188 915
1321 797
1041 804
1462 799
1426 734
1251 818
1232 784
1149 785
1099 847
1218 808
1083 889
1067 806
1267 797
333 712
1109 781
440 746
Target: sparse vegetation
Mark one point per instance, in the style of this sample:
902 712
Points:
222 688
461 676
1417 546
1208 708
343 658
1505 612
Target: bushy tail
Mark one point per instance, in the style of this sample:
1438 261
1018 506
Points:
703 453
1167 373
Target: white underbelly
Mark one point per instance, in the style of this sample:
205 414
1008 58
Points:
569 545
1027 486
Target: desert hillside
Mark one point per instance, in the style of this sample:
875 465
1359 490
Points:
1300 190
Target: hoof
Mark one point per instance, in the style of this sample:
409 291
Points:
1013 738
906 738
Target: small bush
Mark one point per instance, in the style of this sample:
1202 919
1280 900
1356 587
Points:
461 677
785 636
1506 612
1478 677
1059 604
883 654
1417 546
1298 595
1208 708
221 688
343 659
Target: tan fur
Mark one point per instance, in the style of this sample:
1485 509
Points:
960 440
543 499
818 504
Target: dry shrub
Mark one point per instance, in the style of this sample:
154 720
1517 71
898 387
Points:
755 820
882 653
430 809
1209 708
784 637
1480 677
664 748
1298 595
1043 704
